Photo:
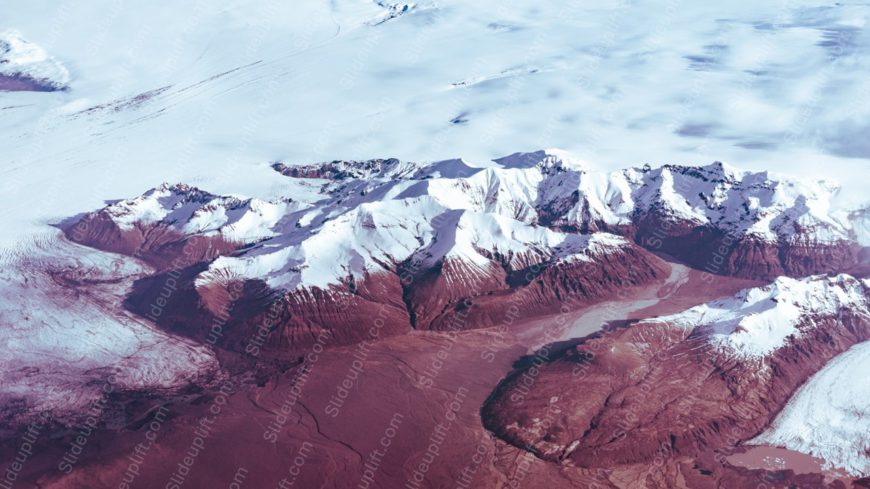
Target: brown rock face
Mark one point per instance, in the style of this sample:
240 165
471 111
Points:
452 294
156 244
448 297
448 291
653 392
238 315
22 83
714 251
250 317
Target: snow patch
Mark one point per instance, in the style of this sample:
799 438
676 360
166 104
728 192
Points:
24 60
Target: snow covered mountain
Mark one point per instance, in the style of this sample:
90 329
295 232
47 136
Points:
418 243
717 217
717 210
705 379
101 100
215 88
757 322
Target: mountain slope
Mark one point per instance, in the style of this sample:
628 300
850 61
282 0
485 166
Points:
718 218
704 379
386 240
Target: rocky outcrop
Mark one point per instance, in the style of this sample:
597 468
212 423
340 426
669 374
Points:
157 244
346 170
250 317
540 289
712 250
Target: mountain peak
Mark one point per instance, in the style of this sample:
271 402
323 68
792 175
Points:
545 159
349 169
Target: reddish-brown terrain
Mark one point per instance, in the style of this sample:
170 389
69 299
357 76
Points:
154 243
406 386
707 248
656 393
406 298
485 349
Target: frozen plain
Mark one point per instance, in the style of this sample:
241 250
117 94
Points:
209 92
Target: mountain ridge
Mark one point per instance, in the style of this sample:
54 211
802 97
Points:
426 243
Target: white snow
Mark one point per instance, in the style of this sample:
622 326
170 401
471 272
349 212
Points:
369 216
22 58
860 220
769 206
210 93
545 159
758 321
829 416
376 236
191 211
62 341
